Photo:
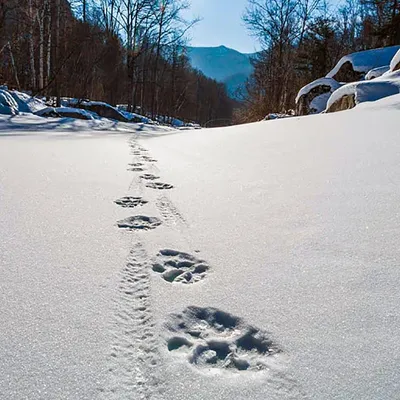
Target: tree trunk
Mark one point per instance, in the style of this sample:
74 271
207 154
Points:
31 47
14 67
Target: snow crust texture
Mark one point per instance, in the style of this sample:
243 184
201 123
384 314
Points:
175 266
209 337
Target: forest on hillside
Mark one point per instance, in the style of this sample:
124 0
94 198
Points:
120 51
302 40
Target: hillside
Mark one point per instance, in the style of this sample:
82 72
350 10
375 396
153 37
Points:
222 64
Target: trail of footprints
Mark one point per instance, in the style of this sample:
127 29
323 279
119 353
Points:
204 337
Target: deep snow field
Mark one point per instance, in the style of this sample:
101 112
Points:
252 262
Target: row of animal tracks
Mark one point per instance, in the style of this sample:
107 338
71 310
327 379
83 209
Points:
205 337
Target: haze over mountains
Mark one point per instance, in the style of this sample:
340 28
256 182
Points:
222 64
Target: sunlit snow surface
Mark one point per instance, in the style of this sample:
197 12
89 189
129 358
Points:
293 223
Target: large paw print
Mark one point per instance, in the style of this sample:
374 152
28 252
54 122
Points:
176 266
208 337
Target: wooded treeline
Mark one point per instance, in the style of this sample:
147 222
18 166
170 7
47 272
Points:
302 40
119 51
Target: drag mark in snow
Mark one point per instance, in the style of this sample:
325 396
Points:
170 214
134 359
211 338
130 202
139 222
159 185
176 266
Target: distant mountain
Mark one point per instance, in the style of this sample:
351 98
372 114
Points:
222 64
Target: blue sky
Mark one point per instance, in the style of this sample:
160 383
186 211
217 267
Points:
221 24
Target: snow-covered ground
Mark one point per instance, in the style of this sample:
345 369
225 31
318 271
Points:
286 233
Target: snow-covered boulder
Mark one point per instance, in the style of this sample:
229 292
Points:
312 98
66 112
377 72
395 63
353 67
103 110
133 117
8 105
348 96
27 103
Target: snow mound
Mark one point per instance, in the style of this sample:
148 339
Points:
383 86
395 63
8 105
27 103
377 72
364 61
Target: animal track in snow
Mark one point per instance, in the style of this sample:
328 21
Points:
136 169
176 266
211 338
149 177
131 202
159 185
139 222
148 159
136 164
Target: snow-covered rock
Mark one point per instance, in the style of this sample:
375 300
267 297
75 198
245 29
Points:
348 96
395 63
133 117
103 110
27 103
313 97
8 105
353 67
377 72
68 112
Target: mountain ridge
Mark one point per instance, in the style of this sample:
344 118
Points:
223 64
